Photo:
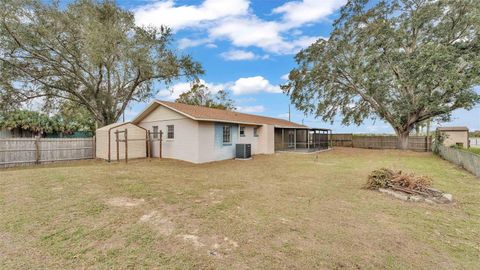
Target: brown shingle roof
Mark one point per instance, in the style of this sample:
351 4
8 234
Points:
208 114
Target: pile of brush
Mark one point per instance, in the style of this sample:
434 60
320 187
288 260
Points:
405 182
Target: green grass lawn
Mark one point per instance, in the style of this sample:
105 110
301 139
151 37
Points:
283 211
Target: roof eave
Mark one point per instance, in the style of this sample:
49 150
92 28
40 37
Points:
145 111
149 108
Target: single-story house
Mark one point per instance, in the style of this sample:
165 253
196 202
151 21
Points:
457 136
199 134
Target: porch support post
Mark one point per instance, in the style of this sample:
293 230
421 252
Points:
295 139
331 140
283 139
308 139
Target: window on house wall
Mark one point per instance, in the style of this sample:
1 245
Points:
227 138
242 131
255 132
155 132
170 132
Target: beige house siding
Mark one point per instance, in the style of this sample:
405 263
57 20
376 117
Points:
454 137
206 138
136 144
266 142
184 146
162 113
250 138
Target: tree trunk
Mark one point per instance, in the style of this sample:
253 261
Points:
403 139
428 127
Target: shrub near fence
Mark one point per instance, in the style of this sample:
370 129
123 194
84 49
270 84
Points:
25 151
415 143
469 161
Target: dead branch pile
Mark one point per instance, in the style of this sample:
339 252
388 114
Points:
398 180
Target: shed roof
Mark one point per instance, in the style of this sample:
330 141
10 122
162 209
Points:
452 128
201 113
107 127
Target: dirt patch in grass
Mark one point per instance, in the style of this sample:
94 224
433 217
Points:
158 222
282 211
124 202
193 239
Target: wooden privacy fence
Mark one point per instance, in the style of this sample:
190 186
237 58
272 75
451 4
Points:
342 140
415 143
25 151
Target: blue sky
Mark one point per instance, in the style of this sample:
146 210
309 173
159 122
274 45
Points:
247 47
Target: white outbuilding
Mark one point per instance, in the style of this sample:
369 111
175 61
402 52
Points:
106 141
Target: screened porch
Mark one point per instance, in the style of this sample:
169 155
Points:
302 139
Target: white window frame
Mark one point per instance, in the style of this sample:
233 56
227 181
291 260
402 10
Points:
155 132
227 135
244 129
172 133
255 132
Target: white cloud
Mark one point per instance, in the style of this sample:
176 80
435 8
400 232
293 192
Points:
285 76
179 17
252 85
300 12
251 109
211 45
234 21
235 55
174 91
252 31
187 43
242 86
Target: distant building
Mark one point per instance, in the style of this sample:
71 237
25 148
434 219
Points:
457 136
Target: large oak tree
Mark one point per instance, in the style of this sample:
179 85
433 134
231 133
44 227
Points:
200 95
90 53
403 61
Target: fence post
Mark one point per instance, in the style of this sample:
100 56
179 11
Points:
126 146
147 142
94 147
37 149
160 154
116 137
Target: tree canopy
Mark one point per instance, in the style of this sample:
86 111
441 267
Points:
39 123
403 61
200 95
90 53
